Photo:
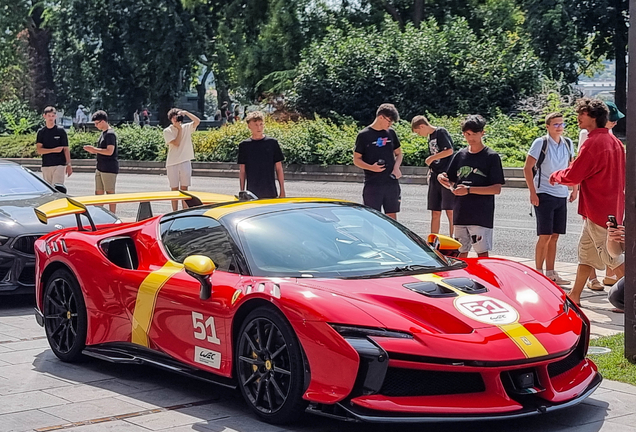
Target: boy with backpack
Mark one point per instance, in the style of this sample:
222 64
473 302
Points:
548 154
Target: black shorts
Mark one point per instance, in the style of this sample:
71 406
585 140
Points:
439 198
385 195
552 214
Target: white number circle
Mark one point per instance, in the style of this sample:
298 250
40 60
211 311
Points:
486 309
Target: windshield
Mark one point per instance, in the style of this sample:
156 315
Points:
338 241
15 180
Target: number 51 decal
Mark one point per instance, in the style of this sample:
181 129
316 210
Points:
204 330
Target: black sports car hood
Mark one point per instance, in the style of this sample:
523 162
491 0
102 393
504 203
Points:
17 215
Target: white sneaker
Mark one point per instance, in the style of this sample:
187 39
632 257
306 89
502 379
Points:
554 277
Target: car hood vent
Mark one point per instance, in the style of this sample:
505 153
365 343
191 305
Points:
430 289
466 285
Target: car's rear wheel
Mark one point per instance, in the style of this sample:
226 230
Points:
269 366
65 316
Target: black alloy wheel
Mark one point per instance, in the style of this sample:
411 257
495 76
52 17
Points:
269 366
65 316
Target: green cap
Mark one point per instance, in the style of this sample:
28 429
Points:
614 114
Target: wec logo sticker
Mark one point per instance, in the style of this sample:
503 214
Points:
486 309
207 357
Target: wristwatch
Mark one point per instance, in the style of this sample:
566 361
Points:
467 190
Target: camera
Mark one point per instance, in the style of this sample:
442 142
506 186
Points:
180 118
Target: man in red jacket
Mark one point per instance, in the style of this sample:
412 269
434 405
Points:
600 171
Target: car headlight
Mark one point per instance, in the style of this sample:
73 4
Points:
3 239
363 332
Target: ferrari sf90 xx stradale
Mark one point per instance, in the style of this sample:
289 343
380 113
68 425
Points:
312 304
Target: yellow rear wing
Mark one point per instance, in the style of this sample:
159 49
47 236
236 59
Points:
77 205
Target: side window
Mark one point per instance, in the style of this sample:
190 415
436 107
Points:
199 235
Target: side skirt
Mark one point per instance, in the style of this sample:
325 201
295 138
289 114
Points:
128 353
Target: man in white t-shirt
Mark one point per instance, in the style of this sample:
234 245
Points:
178 138
548 154
80 115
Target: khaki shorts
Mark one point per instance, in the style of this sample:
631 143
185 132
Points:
593 247
105 182
54 174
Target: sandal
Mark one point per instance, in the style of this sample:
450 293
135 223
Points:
617 310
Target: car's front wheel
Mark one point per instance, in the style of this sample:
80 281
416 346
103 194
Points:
269 366
65 316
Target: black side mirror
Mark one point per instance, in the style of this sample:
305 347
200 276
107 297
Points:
60 188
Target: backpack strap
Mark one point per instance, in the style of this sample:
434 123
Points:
537 166
570 146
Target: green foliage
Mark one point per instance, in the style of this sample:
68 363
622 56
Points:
17 118
446 70
614 365
308 142
18 146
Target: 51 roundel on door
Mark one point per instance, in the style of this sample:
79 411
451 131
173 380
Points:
486 309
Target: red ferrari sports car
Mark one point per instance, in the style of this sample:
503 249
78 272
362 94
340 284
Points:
311 304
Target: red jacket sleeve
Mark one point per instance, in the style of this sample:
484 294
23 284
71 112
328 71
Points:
584 166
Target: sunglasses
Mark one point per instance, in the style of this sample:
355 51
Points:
559 125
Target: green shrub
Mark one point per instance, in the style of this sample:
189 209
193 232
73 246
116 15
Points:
17 118
318 141
18 146
446 69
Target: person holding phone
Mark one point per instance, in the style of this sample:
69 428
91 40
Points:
475 176
616 248
178 138
378 153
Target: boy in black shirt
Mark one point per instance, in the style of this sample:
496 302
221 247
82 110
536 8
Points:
475 176
52 144
379 154
106 151
258 158
440 146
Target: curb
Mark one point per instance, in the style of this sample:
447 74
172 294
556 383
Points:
342 173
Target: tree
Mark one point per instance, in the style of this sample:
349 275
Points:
25 20
352 72
129 52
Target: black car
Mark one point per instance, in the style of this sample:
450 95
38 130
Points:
20 192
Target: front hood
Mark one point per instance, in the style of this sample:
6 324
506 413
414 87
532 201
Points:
17 216
517 302
528 294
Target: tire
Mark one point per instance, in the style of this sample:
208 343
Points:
270 375
65 319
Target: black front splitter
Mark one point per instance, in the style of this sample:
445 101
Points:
364 415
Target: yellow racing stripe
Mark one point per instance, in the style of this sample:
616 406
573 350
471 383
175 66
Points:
146 299
526 341
518 333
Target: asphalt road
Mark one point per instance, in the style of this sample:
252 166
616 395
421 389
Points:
515 229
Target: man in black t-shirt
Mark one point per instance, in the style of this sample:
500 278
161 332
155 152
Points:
259 157
440 147
378 153
52 144
475 176
106 151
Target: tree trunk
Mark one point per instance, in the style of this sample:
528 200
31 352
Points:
166 102
620 85
40 67
395 14
418 12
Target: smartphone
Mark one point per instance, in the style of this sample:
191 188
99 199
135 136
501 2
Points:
612 221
